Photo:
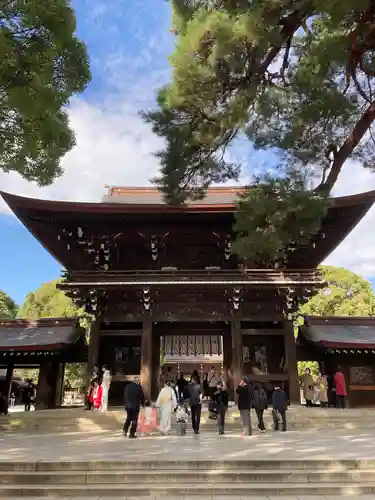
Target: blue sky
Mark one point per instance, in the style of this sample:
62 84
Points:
128 43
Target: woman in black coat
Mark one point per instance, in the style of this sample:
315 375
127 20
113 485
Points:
221 405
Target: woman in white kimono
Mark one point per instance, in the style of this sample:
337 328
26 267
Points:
106 383
166 403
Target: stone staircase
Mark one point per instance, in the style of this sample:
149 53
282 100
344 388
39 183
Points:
260 478
79 420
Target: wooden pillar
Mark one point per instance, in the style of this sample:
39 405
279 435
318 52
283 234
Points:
291 363
155 366
227 361
60 385
146 357
92 351
94 345
237 352
47 388
8 381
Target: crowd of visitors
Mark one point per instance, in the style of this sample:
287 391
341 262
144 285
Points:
324 390
185 400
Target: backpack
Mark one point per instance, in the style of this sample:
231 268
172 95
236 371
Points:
260 400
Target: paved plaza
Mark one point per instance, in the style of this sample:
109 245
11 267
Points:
106 446
112 446
205 497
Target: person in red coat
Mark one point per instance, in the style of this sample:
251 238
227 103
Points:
96 395
341 392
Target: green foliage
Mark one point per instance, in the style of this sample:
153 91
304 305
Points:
273 212
347 294
48 302
8 308
75 375
312 365
295 77
42 64
27 374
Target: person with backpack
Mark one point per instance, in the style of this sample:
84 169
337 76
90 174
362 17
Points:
260 403
195 401
244 403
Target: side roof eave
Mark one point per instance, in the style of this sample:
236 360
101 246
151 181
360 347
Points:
16 202
338 332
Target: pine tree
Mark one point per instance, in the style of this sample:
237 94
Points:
296 77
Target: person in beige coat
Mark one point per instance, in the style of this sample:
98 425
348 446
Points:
321 384
308 387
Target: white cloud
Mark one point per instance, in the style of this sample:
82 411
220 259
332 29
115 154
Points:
357 252
114 146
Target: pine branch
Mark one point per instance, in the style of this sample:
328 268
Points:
361 127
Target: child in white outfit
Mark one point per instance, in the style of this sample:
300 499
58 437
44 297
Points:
181 420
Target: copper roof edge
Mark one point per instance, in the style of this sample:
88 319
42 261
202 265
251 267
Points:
336 319
18 200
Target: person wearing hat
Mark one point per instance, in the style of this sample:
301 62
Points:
244 403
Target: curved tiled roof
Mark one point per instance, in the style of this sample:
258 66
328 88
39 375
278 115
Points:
339 332
41 335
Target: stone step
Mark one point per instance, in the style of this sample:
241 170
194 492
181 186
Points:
90 426
78 420
185 478
256 489
164 467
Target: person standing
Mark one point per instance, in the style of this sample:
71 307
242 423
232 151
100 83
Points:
279 408
322 386
341 392
308 387
96 395
181 384
195 401
260 403
106 384
29 395
134 399
196 376
221 402
245 399
166 402
213 379
94 378
205 386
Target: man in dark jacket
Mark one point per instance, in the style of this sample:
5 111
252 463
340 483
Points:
245 399
134 399
221 401
279 408
260 404
195 400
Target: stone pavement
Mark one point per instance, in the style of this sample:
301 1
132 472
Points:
220 497
112 446
304 445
